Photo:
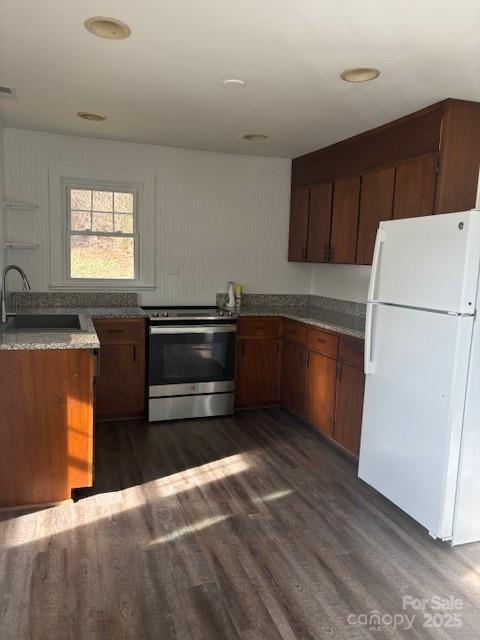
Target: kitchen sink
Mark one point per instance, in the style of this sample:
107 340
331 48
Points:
44 322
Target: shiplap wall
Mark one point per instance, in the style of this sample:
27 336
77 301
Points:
219 216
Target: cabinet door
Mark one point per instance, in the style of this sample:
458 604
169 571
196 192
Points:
120 383
415 187
257 371
297 247
343 240
348 416
320 384
319 222
293 379
376 203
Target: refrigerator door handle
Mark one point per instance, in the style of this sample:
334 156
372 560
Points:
377 256
369 338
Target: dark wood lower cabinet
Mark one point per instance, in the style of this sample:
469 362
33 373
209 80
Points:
321 373
258 371
320 383
120 384
349 407
293 377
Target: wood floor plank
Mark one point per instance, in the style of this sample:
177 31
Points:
240 528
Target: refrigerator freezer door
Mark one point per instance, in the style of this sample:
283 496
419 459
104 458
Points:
428 263
413 411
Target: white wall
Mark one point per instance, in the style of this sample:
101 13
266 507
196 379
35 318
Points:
343 281
2 213
219 216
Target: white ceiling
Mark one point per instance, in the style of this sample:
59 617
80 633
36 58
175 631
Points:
162 84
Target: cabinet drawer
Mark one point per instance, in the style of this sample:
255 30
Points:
258 327
322 342
351 351
294 331
121 330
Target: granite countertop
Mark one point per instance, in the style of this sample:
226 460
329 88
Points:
323 318
329 319
85 339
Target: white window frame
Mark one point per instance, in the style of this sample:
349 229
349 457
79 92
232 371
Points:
61 180
102 186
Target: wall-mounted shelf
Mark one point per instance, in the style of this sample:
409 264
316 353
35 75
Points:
20 206
9 244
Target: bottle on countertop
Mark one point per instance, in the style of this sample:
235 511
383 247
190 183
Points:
238 296
231 295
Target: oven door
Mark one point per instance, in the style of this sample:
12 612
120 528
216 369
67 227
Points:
187 360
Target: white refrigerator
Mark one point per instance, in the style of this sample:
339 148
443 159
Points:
420 444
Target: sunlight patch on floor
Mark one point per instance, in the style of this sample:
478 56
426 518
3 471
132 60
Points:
191 528
275 495
41 525
199 476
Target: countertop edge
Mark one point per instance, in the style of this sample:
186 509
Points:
89 339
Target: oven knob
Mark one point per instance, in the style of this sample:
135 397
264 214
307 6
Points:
221 313
165 314
155 314
230 313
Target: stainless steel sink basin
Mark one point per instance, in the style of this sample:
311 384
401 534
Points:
44 322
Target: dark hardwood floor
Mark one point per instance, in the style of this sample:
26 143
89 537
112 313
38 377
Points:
249 528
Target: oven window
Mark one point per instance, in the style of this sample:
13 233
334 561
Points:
188 358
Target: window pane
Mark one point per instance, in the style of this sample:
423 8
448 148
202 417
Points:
124 222
81 199
102 201
102 221
123 202
80 220
102 257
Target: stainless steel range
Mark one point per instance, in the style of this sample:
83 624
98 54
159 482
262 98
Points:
191 362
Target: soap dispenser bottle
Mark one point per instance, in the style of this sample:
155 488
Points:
231 295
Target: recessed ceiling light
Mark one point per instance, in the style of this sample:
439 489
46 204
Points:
233 83
93 117
110 28
360 74
255 137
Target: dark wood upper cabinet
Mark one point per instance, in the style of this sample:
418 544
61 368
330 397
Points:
297 247
459 157
376 202
343 239
435 154
319 222
415 187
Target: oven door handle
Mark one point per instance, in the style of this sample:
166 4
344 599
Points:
219 328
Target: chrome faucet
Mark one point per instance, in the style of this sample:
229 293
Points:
25 286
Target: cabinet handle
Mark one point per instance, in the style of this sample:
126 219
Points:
243 347
134 352
304 252
308 359
339 372
321 340
115 330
